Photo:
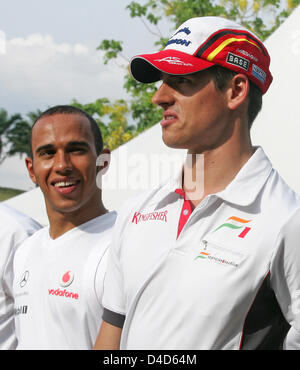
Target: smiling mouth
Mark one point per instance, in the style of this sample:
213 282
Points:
65 186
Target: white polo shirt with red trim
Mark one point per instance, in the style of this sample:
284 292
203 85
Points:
224 276
58 286
15 228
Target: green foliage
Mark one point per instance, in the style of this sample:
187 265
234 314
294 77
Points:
111 47
19 138
112 120
179 11
147 10
15 133
250 13
261 16
142 110
6 193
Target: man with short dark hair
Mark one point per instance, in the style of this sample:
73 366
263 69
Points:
59 271
221 269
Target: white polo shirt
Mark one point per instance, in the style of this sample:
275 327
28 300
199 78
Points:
224 283
292 340
15 228
58 286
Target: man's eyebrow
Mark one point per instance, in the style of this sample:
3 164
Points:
78 143
44 147
70 144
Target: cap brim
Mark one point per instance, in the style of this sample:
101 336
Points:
148 67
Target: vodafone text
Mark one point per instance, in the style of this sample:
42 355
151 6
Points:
63 293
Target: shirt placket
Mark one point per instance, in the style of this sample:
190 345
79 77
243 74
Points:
185 213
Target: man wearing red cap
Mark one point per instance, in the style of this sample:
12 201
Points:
221 269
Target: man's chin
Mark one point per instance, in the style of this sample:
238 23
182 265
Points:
173 143
67 207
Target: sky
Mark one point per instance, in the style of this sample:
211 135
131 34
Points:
48 51
48 56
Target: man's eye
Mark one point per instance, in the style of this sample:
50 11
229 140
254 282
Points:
183 80
45 153
77 150
178 81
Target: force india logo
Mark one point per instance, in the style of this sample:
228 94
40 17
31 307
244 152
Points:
223 261
236 223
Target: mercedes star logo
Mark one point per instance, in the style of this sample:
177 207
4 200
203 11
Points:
24 279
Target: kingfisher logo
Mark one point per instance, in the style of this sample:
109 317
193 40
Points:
152 216
67 279
236 223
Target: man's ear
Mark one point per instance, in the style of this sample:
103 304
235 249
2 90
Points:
238 90
103 161
29 165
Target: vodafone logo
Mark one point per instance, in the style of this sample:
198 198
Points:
67 279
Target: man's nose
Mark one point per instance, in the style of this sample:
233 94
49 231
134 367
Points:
163 96
62 162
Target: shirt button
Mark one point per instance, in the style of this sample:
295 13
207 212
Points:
186 212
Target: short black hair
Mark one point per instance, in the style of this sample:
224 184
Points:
70 109
222 76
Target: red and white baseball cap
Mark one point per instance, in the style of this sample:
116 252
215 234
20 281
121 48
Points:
202 42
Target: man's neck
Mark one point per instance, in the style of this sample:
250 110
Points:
212 171
61 222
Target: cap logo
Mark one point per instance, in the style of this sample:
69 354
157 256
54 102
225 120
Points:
258 73
173 60
185 30
178 42
238 61
247 54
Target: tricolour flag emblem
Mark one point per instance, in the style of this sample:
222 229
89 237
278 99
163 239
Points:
236 223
